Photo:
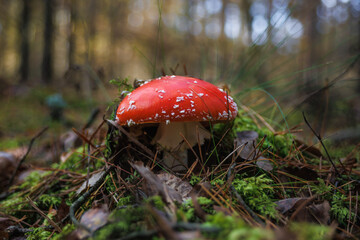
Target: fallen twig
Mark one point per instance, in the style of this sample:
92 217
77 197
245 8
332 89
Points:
82 199
31 202
131 138
323 145
25 156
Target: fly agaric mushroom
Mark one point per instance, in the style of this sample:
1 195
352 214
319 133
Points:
180 105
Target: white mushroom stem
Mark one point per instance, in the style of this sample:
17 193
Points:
171 138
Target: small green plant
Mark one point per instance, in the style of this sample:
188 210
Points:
48 201
194 180
219 182
64 233
157 202
189 211
125 201
257 193
38 234
76 161
122 222
122 84
133 177
321 188
339 208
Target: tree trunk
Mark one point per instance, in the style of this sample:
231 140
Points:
24 30
47 65
72 35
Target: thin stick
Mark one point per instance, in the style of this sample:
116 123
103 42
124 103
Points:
241 200
31 202
83 198
323 145
131 138
24 157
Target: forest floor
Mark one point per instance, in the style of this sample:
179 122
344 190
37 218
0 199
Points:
82 177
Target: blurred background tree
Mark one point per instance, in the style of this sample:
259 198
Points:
302 55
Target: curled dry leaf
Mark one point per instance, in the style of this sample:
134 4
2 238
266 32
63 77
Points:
174 182
264 164
93 219
288 204
7 167
248 139
317 213
155 185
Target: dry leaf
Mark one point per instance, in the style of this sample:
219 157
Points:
285 205
155 186
248 139
93 219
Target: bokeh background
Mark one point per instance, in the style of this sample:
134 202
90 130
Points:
277 57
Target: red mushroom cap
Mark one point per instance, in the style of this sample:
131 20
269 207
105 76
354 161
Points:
178 99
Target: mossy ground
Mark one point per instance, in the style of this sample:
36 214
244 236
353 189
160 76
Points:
221 215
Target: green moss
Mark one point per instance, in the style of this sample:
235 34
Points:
233 227
340 209
278 144
339 206
47 201
76 161
123 222
13 204
33 179
69 228
157 202
38 234
308 231
257 193
187 208
219 182
321 188
125 201
9 143
194 180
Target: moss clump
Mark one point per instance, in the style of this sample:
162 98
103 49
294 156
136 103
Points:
14 203
38 234
308 231
194 180
187 208
76 161
157 202
69 228
125 201
278 144
257 193
33 179
339 206
47 201
233 227
123 222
